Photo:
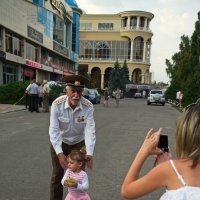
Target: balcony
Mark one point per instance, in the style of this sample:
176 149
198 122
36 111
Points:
134 28
111 60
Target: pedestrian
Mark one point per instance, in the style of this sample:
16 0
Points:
180 99
33 92
41 95
46 90
180 177
75 178
144 94
67 132
177 97
117 95
106 97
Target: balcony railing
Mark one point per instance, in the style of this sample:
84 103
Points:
125 28
130 28
113 60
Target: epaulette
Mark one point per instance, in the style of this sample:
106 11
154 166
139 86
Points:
86 102
60 100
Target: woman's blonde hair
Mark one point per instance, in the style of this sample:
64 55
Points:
188 134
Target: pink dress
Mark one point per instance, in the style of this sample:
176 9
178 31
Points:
79 193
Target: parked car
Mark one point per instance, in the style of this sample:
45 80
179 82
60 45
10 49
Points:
156 96
94 96
138 95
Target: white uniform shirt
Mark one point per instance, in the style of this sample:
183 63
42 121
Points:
72 126
33 88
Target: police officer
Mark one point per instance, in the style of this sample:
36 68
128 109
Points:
67 132
33 91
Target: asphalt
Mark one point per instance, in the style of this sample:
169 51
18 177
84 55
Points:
6 108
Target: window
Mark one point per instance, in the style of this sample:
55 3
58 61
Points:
1 39
31 52
142 20
138 47
13 45
9 73
46 19
86 26
104 50
58 30
39 2
105 26
133 22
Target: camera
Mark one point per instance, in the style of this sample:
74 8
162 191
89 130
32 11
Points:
163 143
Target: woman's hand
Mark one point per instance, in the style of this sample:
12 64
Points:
150 143
165 156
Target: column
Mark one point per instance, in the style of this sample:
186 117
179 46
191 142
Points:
128 23
1 72
102 81
130 77
3 39
144 51
138 23
145 24
142 76
131 56
24 48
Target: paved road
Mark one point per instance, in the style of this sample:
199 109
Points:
24 149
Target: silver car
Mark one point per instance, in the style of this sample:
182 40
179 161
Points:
156 96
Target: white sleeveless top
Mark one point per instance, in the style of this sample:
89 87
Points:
184 193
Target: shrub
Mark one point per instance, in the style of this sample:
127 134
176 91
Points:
11 93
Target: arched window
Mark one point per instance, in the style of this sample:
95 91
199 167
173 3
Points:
96 77
138 48
136 76
133 22
102 50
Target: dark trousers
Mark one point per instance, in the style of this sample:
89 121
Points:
34 103
56 188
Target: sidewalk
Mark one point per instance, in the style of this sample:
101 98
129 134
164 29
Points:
5 108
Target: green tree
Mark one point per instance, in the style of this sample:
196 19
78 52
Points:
115 80
124 75
184 69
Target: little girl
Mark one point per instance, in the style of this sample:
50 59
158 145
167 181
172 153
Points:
75 178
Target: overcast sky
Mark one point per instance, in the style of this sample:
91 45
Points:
172 19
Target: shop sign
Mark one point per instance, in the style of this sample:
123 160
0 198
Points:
29 72
34 34
58 5
33 64
59 48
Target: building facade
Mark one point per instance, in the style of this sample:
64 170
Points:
36 40
107 38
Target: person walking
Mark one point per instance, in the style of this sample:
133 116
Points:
177 97
117 94
67 132
46 90
75 178
41 95
180 99
180 177
106 97
33 92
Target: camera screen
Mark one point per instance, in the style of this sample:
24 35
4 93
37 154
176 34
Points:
163 143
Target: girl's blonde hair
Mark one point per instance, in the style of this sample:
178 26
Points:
78 156
188 134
